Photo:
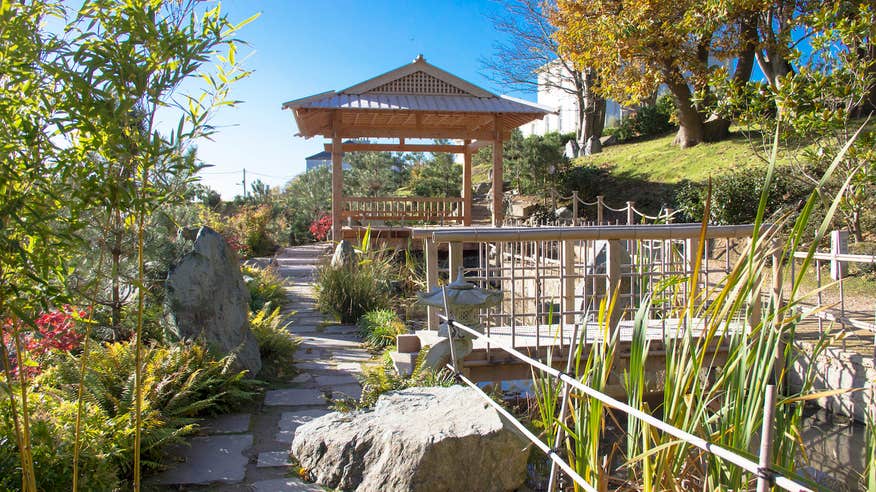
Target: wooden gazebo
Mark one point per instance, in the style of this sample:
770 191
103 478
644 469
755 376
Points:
416 101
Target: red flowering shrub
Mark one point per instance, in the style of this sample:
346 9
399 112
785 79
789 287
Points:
55 332
320 227
236 244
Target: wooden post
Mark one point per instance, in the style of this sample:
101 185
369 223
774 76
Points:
691 247
599 211
574 208
454 261
466 184
839 244
613 282
631 217
337 187
431 250
568 265
765 456
498 191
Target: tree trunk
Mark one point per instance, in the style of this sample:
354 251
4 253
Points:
591 115
116 302
691 128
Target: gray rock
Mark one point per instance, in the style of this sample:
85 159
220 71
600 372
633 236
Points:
608 140
419 439
563 213
593 146
208 299
345 255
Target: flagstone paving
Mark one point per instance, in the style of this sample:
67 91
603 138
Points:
250 451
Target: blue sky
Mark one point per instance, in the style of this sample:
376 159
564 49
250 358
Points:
300 48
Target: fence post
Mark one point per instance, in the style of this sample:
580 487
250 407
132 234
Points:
613 281
669 216
431 250
574 208
454 261
630 214
599 207
568 266
839 244
764 480
692 247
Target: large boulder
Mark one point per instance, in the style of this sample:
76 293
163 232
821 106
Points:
418 439
208 299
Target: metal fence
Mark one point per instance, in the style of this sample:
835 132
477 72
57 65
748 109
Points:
554 275
766 475
835 310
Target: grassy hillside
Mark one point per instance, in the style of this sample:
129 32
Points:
649 171
659 161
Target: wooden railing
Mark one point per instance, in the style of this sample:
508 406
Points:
404 209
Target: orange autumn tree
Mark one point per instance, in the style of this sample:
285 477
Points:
637 45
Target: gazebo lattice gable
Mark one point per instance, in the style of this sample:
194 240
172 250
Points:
415 101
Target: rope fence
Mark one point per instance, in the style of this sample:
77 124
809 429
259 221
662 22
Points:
631 214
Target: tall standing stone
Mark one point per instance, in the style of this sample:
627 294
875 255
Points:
208 299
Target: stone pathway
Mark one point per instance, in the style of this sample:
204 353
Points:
250 452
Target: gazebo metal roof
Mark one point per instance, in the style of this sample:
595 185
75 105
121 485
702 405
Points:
418 100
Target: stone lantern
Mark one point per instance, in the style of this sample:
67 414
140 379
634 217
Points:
464 300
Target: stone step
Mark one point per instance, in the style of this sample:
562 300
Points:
273 459
294 398
298 261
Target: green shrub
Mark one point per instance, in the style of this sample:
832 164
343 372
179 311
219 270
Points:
181 382
648 121
349 293
378 328
381 378
277 345
735 195
265 287
52 419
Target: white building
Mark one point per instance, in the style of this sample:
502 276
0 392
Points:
551 80
323 159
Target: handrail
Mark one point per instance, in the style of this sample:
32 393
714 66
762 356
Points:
404 208
419 199
841 257
591 233
719 451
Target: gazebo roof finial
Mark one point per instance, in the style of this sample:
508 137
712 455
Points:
419 58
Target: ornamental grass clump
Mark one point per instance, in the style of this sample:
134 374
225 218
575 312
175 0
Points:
350 290
265 287
379 328
349 293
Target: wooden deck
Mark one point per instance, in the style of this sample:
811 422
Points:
489 363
